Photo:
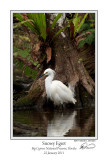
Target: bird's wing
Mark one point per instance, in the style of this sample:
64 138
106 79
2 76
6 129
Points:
61 86
58 88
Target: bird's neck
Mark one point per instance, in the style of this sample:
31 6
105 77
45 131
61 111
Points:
49 79
48 82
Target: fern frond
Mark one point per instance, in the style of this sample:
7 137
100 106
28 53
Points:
88 38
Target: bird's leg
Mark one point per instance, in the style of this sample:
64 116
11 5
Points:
63 106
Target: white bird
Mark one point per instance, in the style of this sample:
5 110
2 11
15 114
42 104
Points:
56 90
61 124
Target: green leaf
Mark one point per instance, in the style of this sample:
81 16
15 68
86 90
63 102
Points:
32 27
84 27
24 38
18 16
43 25
34 73
20 52
88 39
55 20
40 24
79 61
81 44
61 30
19 64
19 24
35 20
26 70
76 20
82 22
39 21
93 16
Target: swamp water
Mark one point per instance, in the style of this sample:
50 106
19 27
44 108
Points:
54 123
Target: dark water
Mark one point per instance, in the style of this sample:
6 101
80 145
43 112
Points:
54 123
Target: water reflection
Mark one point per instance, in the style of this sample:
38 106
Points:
54 123
61 124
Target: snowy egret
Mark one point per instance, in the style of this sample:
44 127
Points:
56 90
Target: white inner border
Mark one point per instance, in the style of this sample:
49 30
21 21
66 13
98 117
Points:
96 75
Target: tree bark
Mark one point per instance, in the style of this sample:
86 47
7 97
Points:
66 64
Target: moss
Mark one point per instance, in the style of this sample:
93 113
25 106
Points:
28 100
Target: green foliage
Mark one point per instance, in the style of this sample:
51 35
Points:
89 29
26 70
93 16
88 39
22 47
36 22
60 30
80 60
76 20
21 43
78 23
20 52
55 20
89 24
18 24
81 23
18 16
39 23
84 27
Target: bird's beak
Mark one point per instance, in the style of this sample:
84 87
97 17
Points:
43 75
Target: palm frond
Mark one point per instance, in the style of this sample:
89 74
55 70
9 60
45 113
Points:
55 20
